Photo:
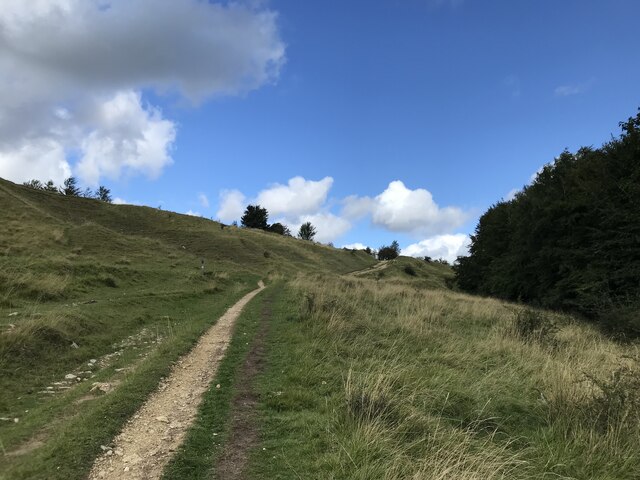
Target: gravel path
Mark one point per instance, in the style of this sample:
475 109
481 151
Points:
149 439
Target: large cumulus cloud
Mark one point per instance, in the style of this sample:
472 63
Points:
72 73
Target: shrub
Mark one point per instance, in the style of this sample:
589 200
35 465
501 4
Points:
616 399
533 325
280 229
389 252
409 270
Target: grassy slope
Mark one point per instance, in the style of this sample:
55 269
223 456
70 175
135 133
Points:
412 272
140 269
389 379
394 382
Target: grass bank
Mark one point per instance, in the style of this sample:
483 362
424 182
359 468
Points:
373 380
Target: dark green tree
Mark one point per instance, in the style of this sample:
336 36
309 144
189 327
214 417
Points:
389 252
571 239
255 217
104 194
280 229
51 187
70 187
307 231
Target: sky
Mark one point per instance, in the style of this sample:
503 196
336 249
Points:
393 119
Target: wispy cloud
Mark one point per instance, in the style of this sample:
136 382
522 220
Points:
573 89
204 201
512 84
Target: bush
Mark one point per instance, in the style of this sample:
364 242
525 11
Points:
389 252
409 270
616 399
533 325
280 229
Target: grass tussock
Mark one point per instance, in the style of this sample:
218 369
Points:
27 285
34 338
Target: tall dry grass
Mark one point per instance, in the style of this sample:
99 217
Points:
439 384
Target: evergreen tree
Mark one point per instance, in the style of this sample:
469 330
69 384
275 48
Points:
280 229
103 194
51 187
255 217
307 231
70 187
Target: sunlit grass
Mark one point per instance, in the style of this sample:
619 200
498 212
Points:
426 384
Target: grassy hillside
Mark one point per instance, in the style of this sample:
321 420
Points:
410 271
355 369
111 294
402 383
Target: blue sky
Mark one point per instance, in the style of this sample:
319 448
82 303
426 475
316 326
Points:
404 119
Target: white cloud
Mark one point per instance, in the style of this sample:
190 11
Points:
293 204
204 201
328 226
355 246
127 138
298 197
122 201
396 209
232 205
400 209
42 159
448 247
355 207
192 213
573 89
67 65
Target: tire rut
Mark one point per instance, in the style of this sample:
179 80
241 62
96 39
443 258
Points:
244 433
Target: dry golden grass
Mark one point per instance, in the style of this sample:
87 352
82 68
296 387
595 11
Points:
444 385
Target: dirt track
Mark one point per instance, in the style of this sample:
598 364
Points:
149 439
378 266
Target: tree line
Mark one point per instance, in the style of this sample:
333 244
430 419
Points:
571 239
71 188
256 216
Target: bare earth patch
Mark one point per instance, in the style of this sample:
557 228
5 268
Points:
150 438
